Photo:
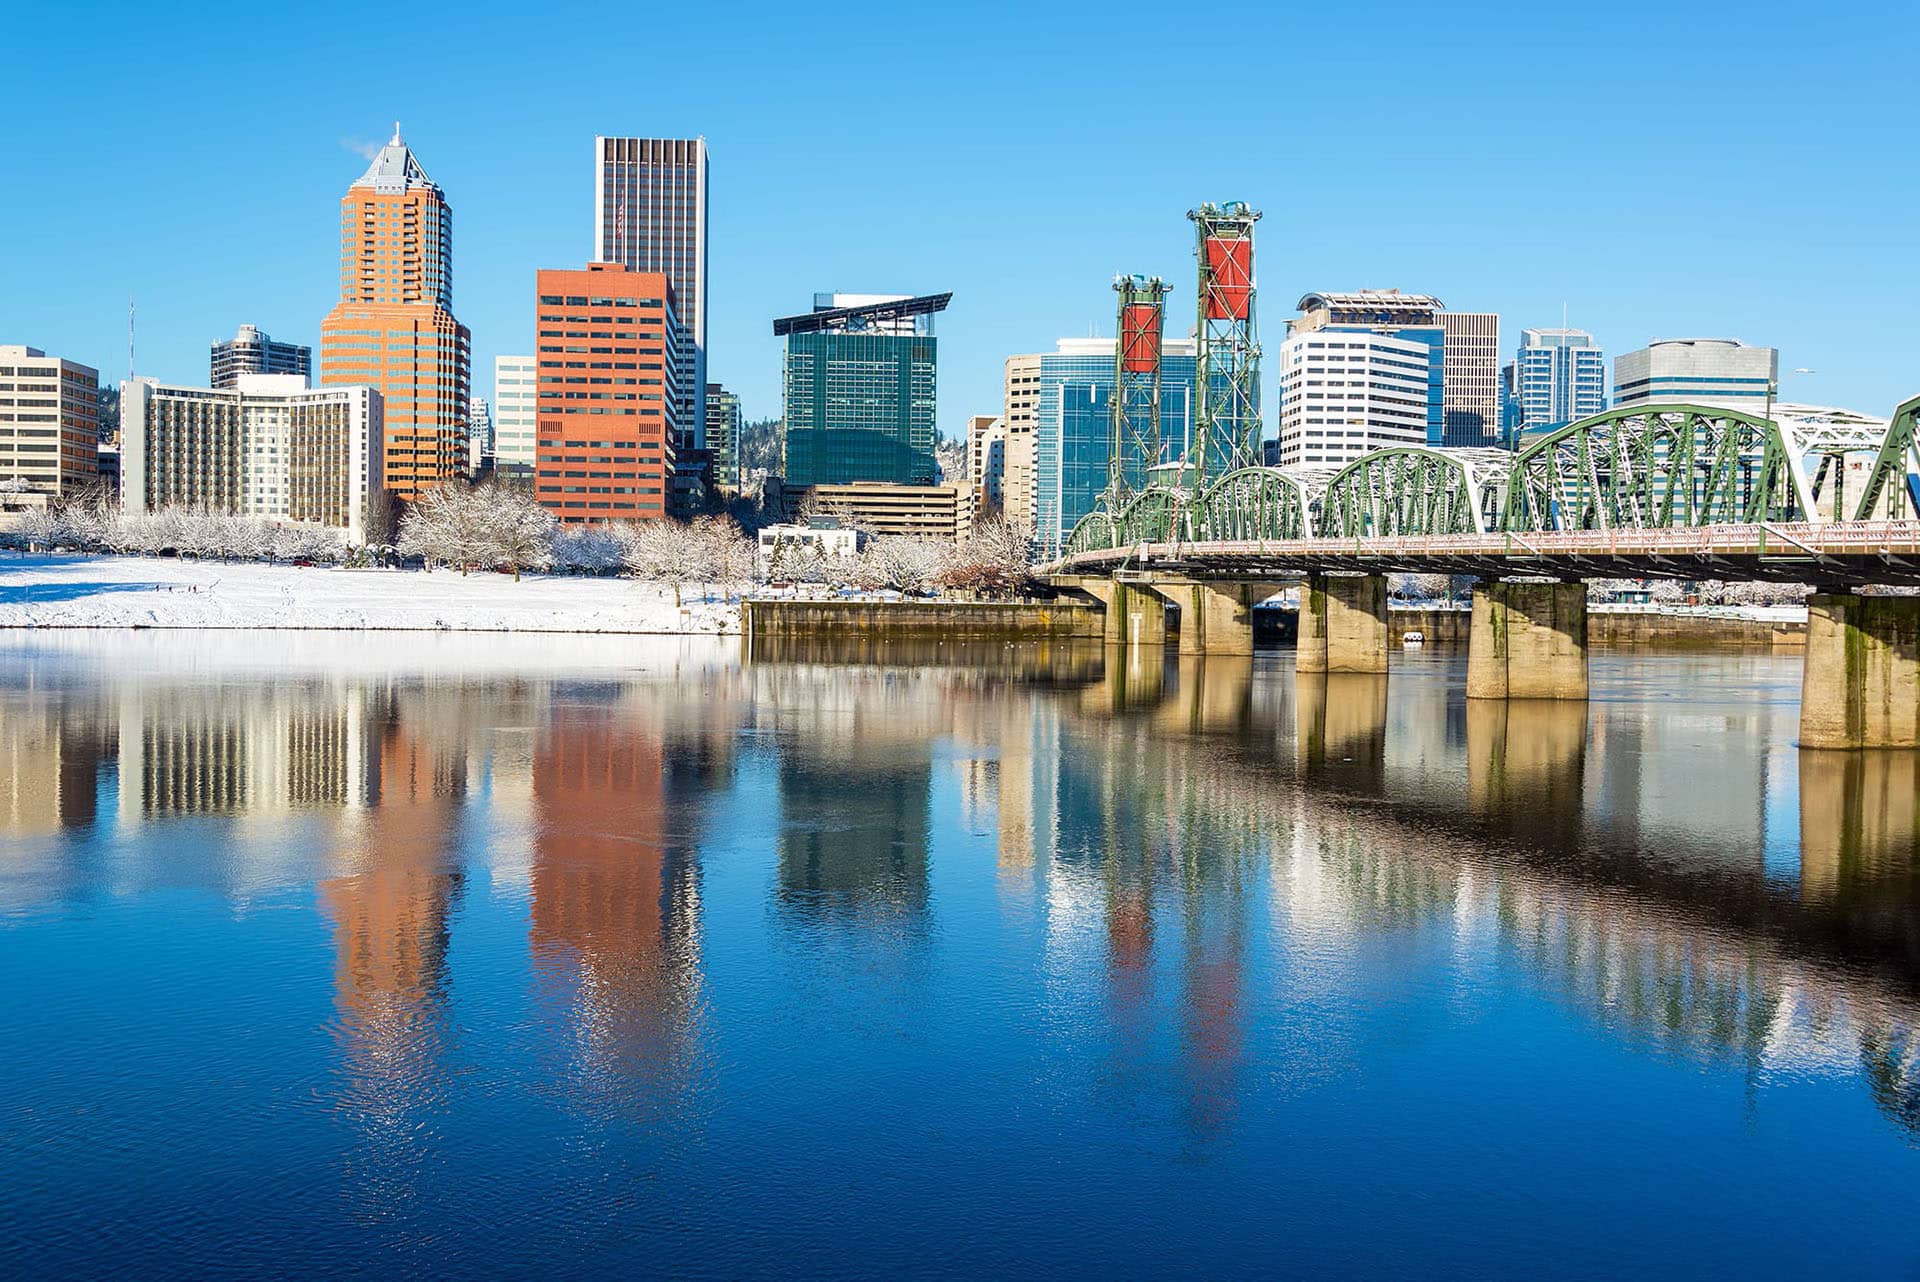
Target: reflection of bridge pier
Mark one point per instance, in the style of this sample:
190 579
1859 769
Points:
1214 695
1340 727
1525 762
1858 818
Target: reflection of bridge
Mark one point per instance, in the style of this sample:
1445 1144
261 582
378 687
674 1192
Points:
1685 943
1664 491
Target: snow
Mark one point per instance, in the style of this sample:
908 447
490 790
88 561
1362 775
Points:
78 591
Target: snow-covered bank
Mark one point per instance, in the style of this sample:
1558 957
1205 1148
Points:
74 591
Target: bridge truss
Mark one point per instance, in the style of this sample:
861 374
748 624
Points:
1648 467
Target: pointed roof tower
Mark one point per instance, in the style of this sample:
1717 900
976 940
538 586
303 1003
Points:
395 169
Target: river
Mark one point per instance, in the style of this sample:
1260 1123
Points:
360 955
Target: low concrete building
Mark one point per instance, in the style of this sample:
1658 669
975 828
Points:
942 511
788 549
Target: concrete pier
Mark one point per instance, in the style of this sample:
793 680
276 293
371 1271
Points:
1215 617
1861 684
1528 641
1343 624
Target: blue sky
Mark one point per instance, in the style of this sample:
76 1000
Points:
1729 170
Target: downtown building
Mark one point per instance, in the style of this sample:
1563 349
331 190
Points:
251 351
1464 398
268 447
393 328
1020 399
1559 376
860 393
608 406
515 390
49 422
724 422
987 464
1073 429
1346 392
650 215
1715 372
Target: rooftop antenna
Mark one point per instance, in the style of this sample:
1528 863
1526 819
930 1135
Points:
129 337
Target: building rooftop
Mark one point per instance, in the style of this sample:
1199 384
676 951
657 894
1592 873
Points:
837 318
395 169
1366 299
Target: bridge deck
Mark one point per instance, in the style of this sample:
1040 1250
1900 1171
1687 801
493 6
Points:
1840 554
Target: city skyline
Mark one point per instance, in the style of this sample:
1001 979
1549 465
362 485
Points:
1715 259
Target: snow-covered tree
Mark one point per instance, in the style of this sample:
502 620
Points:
589 549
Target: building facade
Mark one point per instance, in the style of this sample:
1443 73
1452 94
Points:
1018 404
251 351
607 417
1470 392
1559 375
1344 392
1719 372
1073 429
1387 312
860 395
650 215
393 328
49 421
987 464
943 511
479 436
515 390
270 447
723 437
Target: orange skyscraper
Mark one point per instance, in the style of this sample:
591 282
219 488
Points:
610 404
393 327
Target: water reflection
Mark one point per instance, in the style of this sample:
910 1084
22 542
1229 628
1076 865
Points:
1212 854
615 889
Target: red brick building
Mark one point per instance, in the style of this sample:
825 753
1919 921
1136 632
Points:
608 343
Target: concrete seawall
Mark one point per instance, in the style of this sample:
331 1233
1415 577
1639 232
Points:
1608 630
1065 619
942 620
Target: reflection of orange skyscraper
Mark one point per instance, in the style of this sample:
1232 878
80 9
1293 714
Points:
393 327
614 931
390 914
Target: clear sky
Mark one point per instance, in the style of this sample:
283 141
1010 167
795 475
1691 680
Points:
1740 170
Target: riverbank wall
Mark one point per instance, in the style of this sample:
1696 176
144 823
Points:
1631 629
1635 628
942 620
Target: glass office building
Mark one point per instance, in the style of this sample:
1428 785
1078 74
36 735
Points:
1073 429
860 394
1559 375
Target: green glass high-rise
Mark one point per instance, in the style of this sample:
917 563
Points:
860 393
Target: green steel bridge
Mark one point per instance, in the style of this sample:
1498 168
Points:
1658 479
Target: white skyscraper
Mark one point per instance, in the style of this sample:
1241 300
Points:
514 390
1344 392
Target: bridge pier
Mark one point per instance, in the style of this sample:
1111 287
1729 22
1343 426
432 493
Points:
1343 624
1528 641
1861 684
1134 615
1215 617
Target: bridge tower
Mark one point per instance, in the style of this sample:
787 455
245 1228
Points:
1136 387
1226 429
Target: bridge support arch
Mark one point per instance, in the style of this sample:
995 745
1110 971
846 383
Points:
1343 624
1528 641
1861 684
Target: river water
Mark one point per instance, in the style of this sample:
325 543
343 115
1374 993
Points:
448 955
